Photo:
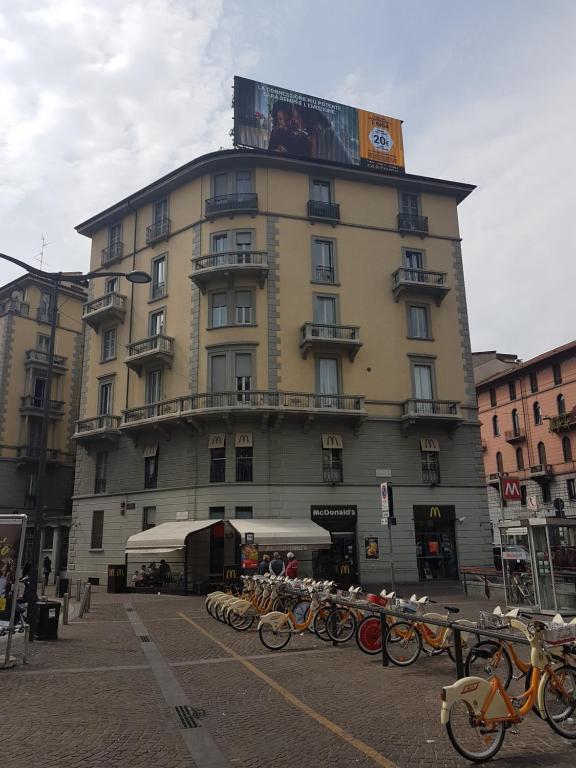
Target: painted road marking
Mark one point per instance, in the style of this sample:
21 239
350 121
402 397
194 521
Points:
358 744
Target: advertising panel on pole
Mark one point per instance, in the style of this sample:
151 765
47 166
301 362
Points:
292 123
249 557
12 529
371 547
510 488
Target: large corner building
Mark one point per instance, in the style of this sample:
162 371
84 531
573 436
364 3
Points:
304 338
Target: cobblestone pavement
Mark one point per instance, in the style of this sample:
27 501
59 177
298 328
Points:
96 698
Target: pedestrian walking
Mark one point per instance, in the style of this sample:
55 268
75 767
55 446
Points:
264 565
292 566
277 567
46 569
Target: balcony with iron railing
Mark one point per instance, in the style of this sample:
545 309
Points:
322 336
563 422
422 282
158 230
228 266
322 211
238 202
541 471
515 435
445 412
324 274
37 358
113 252
412 223
32 453
155 350
111 307
34 405
260 402
105 427
14 306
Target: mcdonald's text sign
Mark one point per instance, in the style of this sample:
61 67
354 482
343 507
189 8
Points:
510 488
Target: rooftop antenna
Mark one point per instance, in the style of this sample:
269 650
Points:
41 256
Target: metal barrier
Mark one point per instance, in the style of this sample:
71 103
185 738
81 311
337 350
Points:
85 604
484 573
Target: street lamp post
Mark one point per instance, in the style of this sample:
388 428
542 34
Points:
55 278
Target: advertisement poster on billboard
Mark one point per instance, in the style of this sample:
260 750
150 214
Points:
249 556
371 547
11 533
279 120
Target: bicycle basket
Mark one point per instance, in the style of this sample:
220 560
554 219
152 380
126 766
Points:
407 606
492 621
560 634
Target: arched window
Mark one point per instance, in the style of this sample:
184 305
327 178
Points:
561 404
515 422
542 454
519 458
499 464
537 413
567 448
495 426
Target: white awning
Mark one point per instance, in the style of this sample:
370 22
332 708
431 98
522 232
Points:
170 535
282 534
155 551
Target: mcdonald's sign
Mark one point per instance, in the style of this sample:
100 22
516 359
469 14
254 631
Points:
423 513
332 441
243 440
429 444
230 572
344 569
435 512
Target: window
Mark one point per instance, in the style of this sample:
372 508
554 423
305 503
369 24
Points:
243 182
495 426
244 243
216 513
499 464
413 264
153 392
243 300
38 392
561 403
219 244
158 284
418 322
160 212
231 370
48 537
111 285
323 262
45 308
104 398
321 192
546 494
523 495
512 389
239 183
430 467
542 454
557 373
243 513
97 529
332 466
108 351
244 464
328 381
409 203
567 448
148 518
114 234
219 313
156 323
43 343
533 382
325 310
492 397
34 433
243 375
571 488
519 458
515 422
220 184
151 471
217 465
537 413
101 472
218 373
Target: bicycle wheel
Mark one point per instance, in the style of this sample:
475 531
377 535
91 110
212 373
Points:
300 611
403 643
340 625
487 659
239 622
274 639
369 635
219 612
473 741
560 701
319 623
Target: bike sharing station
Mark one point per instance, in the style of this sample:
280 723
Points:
539 563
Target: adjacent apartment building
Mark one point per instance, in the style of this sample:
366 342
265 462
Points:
528 416
25 314
304 338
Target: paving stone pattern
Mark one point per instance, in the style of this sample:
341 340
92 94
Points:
90 700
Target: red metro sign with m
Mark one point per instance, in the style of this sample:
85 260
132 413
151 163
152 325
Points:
510 489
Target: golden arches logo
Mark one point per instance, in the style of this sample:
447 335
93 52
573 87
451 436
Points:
435 512
344 569
230 573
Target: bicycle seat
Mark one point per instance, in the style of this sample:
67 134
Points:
452 609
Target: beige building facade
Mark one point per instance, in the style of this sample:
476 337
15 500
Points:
25 313
304 338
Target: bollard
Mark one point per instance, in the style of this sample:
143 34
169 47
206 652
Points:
65 608
78 590
89 588
56 586
84 602
43 589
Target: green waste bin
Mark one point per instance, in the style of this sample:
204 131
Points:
47 617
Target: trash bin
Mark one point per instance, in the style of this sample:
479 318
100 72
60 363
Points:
63 587
48 614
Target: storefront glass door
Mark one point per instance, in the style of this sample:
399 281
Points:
436 552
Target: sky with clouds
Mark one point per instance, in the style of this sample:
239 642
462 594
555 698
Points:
100 98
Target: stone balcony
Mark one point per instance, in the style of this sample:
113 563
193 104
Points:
34 406
98 428
330 338
420 282
228 266
153 351
443 412
515 436
36 358
109 308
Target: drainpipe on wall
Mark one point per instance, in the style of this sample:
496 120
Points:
130 321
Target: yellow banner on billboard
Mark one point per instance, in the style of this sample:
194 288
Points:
380 140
